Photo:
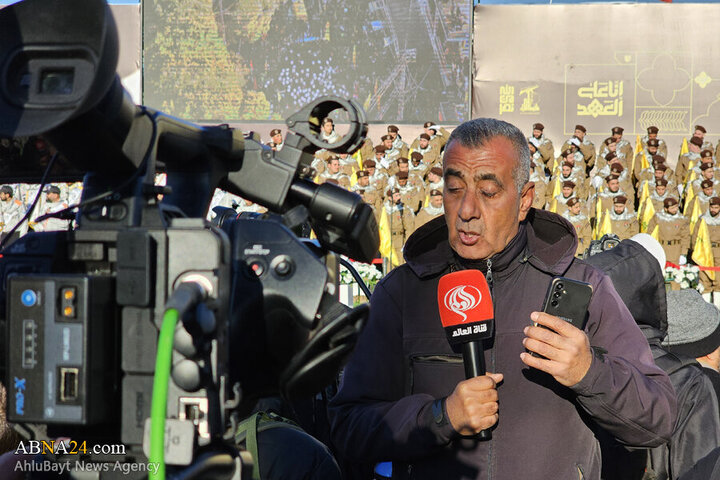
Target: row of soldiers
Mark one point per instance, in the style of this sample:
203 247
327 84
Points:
621 190
17 199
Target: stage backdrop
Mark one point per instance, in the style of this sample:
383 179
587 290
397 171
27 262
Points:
600 66
261 60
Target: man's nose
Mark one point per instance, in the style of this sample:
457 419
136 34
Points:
469 207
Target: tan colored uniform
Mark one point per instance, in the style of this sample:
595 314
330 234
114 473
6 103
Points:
624 225
402 224
546 149
626 149
539 199
431 156
427 214
684 164
662 146
673 232
587 148
713 225
583 229
342 179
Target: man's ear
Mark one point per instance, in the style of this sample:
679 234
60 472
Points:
526 199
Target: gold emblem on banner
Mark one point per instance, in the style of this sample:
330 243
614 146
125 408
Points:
529 103
507 99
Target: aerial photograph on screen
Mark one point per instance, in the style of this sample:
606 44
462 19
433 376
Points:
404 61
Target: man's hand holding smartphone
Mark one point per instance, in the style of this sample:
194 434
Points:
565 347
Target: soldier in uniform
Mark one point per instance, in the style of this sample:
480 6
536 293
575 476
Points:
276 139
659 173
649 173
333 172
610 146
383 163
391 152
702 198
566 175
11 211
587 148
433 210
397 141
707 174
696 172
412 196
622 144
648 153
656 199
431 154
435 179
401 221
438 136
328 133
559 203
701 132
545 146
51 204
369 194
652 134
712 219
348 164
623 223
540 181
673 231
581 222
614 167
612 190
688 160
377 178
417 165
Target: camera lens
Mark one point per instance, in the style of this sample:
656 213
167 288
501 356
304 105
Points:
554 303
556 295
559 286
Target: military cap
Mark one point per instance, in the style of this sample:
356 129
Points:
380 149
618 130
275 131
416 156
669 202
658 159
362 173
53 189
611 177
697 141
661 182
706 184
581 128
661 166
435 192
653 130
568 183
572 201
610 156
437 171
428 125
701 128
402 175
617 168
539 126
369 164
705 166
715 201
706 153
6 189
425 136
385 137
609 140
568 164
653 142
393 128
620 199
567 153
402 161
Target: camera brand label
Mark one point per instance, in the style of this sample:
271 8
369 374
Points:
257 249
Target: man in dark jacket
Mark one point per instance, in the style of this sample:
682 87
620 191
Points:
638 278
404 397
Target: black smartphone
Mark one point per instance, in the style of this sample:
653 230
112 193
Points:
568 299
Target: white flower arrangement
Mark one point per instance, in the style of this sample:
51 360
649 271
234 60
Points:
369 273
687 276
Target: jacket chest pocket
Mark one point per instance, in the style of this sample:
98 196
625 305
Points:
435 374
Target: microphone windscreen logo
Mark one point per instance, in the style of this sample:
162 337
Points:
461 299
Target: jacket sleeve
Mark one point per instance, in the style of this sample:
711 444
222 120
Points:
624 391
371 419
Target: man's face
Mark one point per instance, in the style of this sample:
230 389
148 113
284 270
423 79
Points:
403 167
277 139
707 191
673 209
423 143
537 133
396 197
699 133
482 205
714 210
580 135
393 135
661 189
4 196
659 174
617 136
652 135
612 146
402 181
430 132
388 143
53 197
334 165
566 192
433 177
566 170
575 209
709 173
371 171
328 127
379 156
619 208
364 181
614 185
436 201
652 150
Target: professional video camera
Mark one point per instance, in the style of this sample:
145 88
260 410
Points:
146 325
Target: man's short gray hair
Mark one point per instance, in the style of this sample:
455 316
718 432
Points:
475 133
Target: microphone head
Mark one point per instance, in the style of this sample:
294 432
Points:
465 305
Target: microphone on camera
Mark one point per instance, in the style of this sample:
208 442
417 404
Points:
466 312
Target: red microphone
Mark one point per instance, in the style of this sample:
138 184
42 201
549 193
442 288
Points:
466 312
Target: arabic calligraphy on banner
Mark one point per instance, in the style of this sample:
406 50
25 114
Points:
604 98
507 99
